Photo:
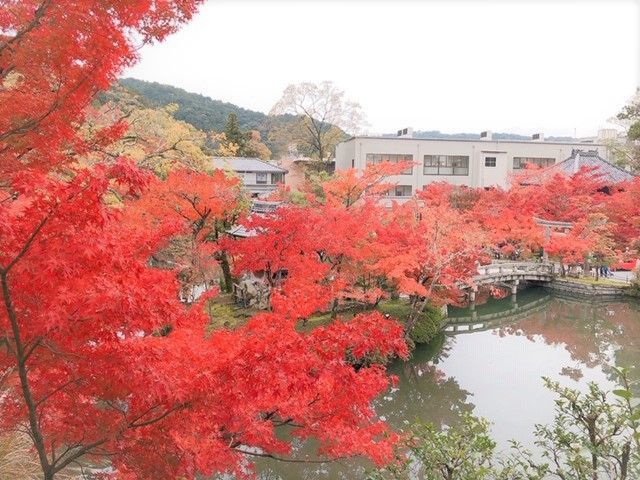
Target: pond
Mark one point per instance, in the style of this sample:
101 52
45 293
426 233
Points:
490 362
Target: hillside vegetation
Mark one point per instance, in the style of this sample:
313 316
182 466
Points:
207 114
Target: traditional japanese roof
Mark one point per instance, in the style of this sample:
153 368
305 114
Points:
245 164
610 173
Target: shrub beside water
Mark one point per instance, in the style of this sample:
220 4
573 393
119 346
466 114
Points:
428 325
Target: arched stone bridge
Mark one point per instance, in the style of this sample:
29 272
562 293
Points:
510 274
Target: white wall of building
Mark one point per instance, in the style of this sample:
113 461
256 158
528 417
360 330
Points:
354 152
268 181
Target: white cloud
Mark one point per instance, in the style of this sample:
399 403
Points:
551 66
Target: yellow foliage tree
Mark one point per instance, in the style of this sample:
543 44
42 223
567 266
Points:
153 137
223 147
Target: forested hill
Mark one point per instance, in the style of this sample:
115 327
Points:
200 111
207 114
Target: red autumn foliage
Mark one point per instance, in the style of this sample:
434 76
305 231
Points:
326 247
197 209
429 250
55 56
100 361
115 365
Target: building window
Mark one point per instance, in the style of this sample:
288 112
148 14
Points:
276 178
489 161
375 158
400 191
261 178
446 165
353 163
520 162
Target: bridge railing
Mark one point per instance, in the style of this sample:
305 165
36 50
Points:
515 268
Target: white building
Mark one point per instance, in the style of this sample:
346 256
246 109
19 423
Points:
259 177
475 163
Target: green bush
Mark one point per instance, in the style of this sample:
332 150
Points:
426 328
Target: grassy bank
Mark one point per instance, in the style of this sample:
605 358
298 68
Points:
223 313
606 282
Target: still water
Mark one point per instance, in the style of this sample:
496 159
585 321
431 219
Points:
490 362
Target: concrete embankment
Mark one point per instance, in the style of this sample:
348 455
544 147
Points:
572 287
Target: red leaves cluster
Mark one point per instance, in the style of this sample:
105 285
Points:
98 357
116 364
55 56
429 249
605 219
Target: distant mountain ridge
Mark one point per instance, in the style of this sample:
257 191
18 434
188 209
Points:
201 111
435 134
207 114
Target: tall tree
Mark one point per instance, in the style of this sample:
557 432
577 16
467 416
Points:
204 207
100 361
628 153
234 142
233 133
325 115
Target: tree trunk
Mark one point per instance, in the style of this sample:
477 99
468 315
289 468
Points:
21 360
226 272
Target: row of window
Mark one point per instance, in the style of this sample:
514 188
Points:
520 162
262 178
446 165
452 164
374 158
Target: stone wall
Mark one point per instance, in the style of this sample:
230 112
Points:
589 290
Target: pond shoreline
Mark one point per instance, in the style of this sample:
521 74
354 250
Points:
590 290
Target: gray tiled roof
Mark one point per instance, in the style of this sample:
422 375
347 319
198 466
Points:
609 172
245 164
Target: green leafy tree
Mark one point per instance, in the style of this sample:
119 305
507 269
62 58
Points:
460 452
628 153
594 436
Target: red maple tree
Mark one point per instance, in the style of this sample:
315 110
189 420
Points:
430 251
199 209
325 248
100 362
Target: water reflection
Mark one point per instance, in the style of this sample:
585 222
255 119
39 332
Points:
493 368
596 333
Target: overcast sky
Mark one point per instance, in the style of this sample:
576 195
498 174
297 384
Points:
456 66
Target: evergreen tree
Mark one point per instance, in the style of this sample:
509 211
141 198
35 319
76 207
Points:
234 134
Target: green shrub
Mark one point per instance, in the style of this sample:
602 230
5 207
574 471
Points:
427 326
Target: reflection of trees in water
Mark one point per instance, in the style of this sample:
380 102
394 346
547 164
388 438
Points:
425 393
596 334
